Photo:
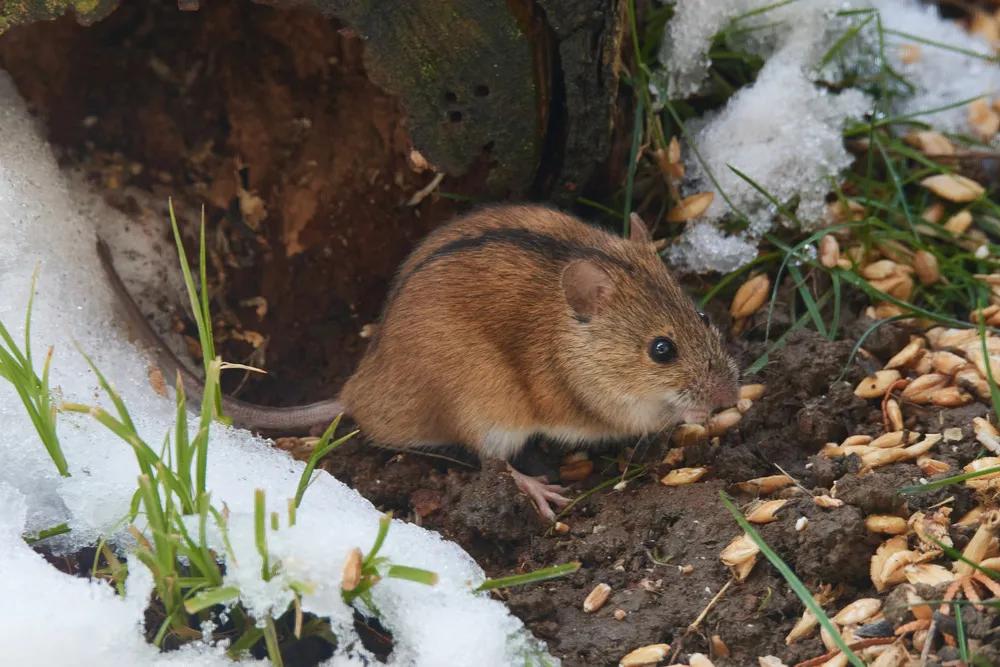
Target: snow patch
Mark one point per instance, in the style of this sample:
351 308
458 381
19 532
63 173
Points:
57 619
784 131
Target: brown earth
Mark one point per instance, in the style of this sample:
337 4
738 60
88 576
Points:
303 166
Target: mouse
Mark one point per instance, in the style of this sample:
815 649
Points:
508 323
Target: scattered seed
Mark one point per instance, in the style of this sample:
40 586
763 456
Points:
874 386
883 268
156 380
674 457
926 266
894 413
765 485
690 207
921 389
803 628
907 355
689 434
950 397
770 661
744 405
853 440
931 143
983 119
740 555
561 527
721 422
765 511
699 660
882 523
753 392
858 611
931 467
909 53
953 187
645 655
829 251
894 439
351 573
986 434
682 476
935 211
719 647
576 470
620 614
928 574
947 363
828 502
959 223
686 569
750 296
801 523
596 599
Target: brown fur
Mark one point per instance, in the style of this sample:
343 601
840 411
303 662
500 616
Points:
486 338
516 320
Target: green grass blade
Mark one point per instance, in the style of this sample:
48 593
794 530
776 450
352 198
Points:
271 641
260 533
543 574
45 534
416 574
322 448
842 41
963 643
947 481
811 308
383 529
793 581
207 599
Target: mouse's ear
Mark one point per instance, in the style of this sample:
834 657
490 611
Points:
587 287
637 230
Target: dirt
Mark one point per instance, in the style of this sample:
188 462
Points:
240 103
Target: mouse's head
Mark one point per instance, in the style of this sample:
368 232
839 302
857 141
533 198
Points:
644 354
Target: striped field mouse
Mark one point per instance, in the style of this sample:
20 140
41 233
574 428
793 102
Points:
510 322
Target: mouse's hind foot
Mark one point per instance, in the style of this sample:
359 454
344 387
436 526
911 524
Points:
542 494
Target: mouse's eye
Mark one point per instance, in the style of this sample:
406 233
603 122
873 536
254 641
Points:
662 350
704 318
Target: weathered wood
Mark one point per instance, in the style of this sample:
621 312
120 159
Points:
521 90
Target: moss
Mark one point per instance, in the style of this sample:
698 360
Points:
28 11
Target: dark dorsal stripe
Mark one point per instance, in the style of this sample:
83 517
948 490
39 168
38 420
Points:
542 245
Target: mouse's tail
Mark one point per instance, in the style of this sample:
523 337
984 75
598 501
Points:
285 420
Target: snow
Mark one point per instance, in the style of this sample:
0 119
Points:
47 220
785 132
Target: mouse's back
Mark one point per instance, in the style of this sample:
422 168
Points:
517 320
